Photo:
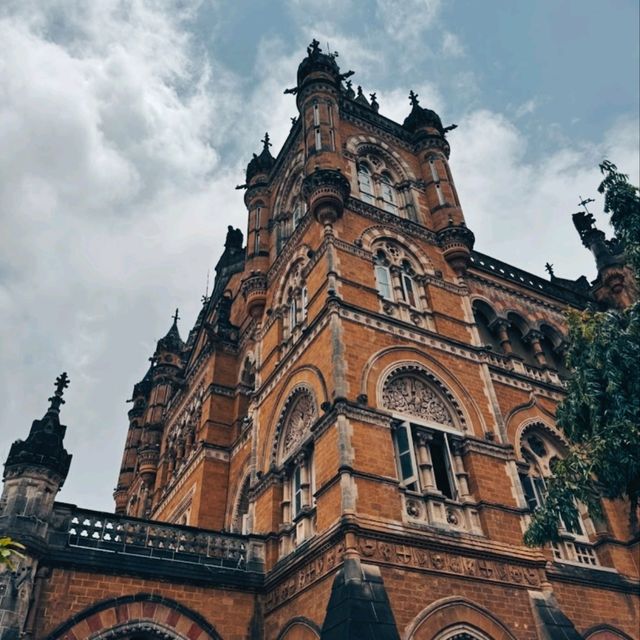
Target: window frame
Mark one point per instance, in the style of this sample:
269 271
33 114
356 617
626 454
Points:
414 424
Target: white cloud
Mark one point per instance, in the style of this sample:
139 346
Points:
110 216
406 20
451 45
511 201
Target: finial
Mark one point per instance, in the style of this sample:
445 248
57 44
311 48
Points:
265 141
413 98
62 382
549 269
293 121
175 317
360 94
314 47
349 85
374 102
584 202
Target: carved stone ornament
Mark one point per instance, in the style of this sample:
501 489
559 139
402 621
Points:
301 416
410 395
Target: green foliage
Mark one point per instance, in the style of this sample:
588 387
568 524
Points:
9 551
601 413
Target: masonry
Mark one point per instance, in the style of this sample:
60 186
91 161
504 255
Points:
351 439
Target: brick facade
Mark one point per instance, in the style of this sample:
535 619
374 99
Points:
351 425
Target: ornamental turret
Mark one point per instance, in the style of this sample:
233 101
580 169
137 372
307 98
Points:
442 198
35 470
34 473
257 201
325 187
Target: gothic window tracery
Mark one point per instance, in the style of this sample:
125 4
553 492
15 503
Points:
181 437
396 275
539 453
295 300
379 184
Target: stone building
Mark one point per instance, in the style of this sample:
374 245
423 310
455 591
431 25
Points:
350 441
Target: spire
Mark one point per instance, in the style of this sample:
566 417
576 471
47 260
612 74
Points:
320 66
172 341
44 446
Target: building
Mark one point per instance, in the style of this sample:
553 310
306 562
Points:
351 439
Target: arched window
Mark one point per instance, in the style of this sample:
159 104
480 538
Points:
388 194
539 454
396 276
383 275
365 183
408 287
295 453
427 437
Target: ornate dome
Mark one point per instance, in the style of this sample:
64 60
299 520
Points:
262 163
316 61
421 118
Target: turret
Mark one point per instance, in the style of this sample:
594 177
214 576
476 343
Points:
168 363
433 150
614 286
139 398
34 472
325 187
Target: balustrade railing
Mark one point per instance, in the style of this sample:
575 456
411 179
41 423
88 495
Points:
120 534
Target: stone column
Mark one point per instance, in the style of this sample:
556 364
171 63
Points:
425 465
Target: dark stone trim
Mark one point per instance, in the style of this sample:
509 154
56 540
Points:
139 597
606 627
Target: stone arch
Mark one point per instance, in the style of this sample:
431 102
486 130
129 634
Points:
356 145
300 406
380 364
374 234
531 411
299 628
535 424
299 259
443 407
152 614
306 375
240 503
605 632
283 193
443 618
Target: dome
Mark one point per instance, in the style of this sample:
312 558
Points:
316 61
262 163
420 117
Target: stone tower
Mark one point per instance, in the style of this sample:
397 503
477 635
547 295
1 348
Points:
34 473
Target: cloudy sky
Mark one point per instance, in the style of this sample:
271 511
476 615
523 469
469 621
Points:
126 124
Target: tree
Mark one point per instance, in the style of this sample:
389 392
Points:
601 412
9 549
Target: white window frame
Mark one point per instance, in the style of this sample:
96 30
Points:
366 195
384 287
409 423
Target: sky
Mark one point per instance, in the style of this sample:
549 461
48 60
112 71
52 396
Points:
125 126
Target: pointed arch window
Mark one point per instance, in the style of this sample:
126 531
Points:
389 194
408 286
383 275
540 454
365 184
299 209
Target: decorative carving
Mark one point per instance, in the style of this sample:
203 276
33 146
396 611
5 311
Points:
301 416
408 394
